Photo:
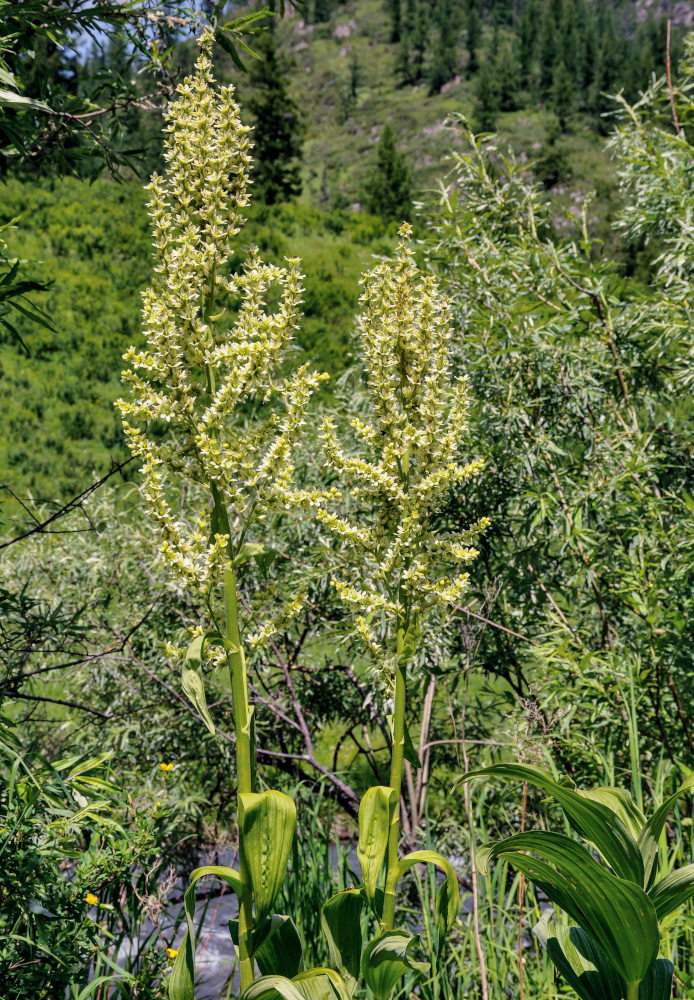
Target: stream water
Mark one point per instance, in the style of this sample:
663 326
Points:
215 959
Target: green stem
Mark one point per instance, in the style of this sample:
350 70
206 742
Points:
632 991
396 777
244 771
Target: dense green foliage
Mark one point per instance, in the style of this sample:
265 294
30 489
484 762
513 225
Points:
92 242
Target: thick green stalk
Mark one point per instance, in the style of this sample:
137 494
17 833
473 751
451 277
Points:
396 776
632 991
244 771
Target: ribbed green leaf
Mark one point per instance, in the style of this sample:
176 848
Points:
322 984
316 984
448 896
342 929
271 987
181 984
579 960
650 835
267 821
192 679
591 819
182 978
280 951
387 959
621 803
617 914
193 683
672 891
657 984
375 812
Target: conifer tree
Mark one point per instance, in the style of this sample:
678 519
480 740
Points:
279 131
444 62
388 190
395 20
487 104
562 100
473 36
548 48
527 37
506 73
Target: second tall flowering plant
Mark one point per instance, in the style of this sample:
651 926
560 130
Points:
400 567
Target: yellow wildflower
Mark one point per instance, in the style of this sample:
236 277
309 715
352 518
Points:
166 767
172 952
91 899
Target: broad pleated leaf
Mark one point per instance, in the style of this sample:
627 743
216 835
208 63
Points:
267 821
617 914
193 683
322 984
448 896
657 984
342 929
375 812
387 959
182 978
591 819
409 751
181 984
621 803
271 987
650 836
579 960
316 984
280 951
672 891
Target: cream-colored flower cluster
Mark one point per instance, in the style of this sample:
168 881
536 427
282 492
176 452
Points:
216 341
407 456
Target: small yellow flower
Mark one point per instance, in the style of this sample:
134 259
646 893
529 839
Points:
91 899
166 767
172 952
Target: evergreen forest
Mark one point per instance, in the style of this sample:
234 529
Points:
346 500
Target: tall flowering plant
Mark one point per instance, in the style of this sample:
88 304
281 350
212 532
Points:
215 347
400 470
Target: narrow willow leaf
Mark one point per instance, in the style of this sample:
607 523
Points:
267 821
280 951
448 896
387 959
579 960
10 97
672 891
616 913
650 835
375 811
342 928
592 820
182 979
